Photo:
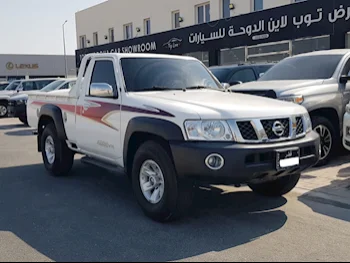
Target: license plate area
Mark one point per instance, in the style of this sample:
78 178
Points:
287 159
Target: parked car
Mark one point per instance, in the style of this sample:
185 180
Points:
3 85
131 122
21 86
319 82
346 128
238 74
17 104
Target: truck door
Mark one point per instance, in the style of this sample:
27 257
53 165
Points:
345 88
98 111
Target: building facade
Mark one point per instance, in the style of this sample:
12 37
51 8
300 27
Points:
35 66
216 32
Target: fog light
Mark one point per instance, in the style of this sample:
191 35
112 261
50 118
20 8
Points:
214 161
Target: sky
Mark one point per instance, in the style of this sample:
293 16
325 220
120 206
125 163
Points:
35 26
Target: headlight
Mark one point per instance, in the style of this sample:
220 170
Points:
307 122
298 99
214 130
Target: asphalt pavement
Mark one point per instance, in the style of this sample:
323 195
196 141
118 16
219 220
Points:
93 216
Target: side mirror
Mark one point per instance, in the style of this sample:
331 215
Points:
261 74
235 83
102 90
225 85
344 79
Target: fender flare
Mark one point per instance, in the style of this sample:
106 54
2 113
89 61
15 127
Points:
55 113
165 129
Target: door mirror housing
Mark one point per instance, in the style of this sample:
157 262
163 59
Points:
233 83
101 90
344 79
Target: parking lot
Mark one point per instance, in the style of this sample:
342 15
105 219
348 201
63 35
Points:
93 216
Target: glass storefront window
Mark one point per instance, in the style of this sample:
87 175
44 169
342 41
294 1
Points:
232 56
268 48
347 40
300 46
202 56
272 58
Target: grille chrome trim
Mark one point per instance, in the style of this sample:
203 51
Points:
261 132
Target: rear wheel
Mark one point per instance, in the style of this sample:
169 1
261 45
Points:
329 139
160 193
277 187
58 158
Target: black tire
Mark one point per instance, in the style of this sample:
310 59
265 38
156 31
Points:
24 120
279 187
178 194
3 104
64 157
318 121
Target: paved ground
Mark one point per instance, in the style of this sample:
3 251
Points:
93 216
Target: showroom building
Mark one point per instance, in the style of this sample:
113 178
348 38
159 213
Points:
35 66
248 32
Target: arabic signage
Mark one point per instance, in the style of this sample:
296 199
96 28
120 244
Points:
305 19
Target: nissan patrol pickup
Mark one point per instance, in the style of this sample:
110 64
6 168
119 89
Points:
319 81
168 123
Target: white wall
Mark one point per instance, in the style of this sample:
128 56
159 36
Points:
116 13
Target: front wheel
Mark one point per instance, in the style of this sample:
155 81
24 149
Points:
160 193
58 158
279 187
329 139
3 110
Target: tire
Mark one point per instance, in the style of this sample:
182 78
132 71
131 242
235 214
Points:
177 195
24 120
277 188
62 162
320 123
3 110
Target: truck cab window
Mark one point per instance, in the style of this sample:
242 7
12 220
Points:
103 73
244 75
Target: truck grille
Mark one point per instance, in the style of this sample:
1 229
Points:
268 127
300 126
262 93
268 130
247 130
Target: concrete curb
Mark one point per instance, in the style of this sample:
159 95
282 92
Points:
323 198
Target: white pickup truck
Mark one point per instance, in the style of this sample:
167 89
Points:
168 122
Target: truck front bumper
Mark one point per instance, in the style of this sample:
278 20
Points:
243 163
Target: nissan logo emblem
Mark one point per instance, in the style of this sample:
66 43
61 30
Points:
278 128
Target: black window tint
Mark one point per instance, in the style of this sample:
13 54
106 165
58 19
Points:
221 73
346 69
104 73
263 69
29 85
244 75
86 67
40 84
303 68
3 86
65 86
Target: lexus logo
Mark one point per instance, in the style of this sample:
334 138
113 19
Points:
278 128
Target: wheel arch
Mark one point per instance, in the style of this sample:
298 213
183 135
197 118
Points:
142 129
329 113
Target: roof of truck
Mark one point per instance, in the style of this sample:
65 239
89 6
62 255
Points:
326 52
139 55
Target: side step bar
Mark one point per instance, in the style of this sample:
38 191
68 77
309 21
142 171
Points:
103 165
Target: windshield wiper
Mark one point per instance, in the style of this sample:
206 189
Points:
155 88
200 87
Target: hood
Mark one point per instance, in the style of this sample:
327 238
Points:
19 97
7 93
279 86
220 105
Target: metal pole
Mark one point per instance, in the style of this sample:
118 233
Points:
64 47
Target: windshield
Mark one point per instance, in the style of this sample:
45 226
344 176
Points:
53 85
146 74
304 67
12 86
3 86
221 73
